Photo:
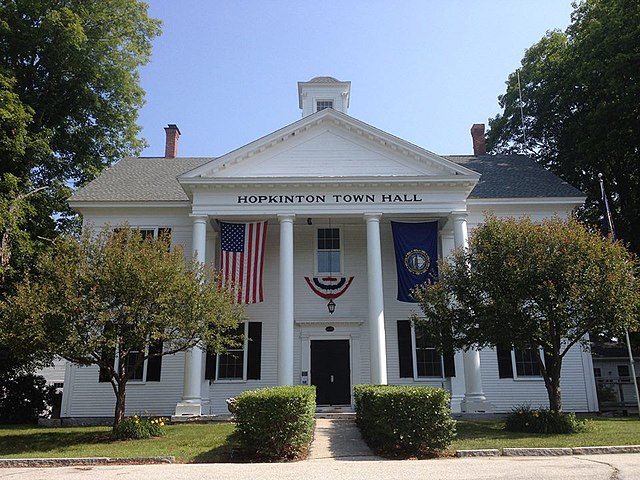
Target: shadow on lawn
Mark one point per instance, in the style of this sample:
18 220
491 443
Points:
228 452
49 440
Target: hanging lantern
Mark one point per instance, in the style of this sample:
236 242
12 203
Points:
331 306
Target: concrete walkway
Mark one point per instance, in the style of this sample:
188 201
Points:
339 440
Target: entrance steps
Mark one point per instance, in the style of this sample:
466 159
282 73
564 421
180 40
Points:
336 412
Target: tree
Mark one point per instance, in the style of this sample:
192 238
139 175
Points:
115 296
581 114
538 287
69 97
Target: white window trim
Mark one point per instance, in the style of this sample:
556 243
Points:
525 378
245 359
414 356
322 99
156 229
316 250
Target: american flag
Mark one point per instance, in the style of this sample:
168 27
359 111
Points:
242 259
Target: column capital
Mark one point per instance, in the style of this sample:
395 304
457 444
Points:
286 217
199 218
459 215
373 216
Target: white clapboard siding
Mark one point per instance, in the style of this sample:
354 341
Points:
326 152
85 397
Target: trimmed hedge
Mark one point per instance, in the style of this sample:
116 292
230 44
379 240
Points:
404 420
275 423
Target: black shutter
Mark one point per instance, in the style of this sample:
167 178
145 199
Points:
449 365
154 364
109 356
505 369
210 366
405 355
254 351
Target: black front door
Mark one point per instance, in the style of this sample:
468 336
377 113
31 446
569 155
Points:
330 371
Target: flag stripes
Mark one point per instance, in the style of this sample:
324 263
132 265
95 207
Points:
242 259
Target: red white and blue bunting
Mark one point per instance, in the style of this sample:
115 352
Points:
329 288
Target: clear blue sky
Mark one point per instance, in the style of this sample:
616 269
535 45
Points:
226 71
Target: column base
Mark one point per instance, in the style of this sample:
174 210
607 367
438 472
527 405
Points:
456 403
475 404
190 409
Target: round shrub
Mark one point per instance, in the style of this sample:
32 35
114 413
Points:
404 420
275 423
24 398
541 420
136 428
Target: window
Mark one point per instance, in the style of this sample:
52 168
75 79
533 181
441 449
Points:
623 373
322 104
418 358
152 232
526 363
149 370
597 372
328 251
514 363
241 363
135 372
231 363
428 360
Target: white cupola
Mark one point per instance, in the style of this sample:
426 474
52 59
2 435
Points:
323 92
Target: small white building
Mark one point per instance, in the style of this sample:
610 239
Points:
328 186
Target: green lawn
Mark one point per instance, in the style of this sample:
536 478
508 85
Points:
188 443
199 443
600 431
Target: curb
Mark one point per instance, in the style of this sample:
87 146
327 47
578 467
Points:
489 452
536 452
601 450
547 452
70 462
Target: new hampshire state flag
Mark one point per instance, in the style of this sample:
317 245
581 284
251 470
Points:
416 246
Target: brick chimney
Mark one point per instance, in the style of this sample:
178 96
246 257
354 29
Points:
171 144
477 134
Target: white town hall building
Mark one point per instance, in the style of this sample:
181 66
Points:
329 187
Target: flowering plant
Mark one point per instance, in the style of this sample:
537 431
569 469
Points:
138 427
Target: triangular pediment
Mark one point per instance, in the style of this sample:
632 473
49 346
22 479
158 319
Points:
329 144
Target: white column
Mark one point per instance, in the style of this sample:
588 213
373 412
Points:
457 382
210 261
474 399
193 374
285 324
378 347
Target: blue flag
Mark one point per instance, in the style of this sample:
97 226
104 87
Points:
416 246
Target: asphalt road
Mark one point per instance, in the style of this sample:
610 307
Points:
592 467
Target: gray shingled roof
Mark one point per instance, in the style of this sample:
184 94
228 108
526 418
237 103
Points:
513 176
140 180
154 179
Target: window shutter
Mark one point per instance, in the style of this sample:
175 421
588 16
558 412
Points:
505 369
210 366
449 365
405 355
254 351
109 356
154 364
